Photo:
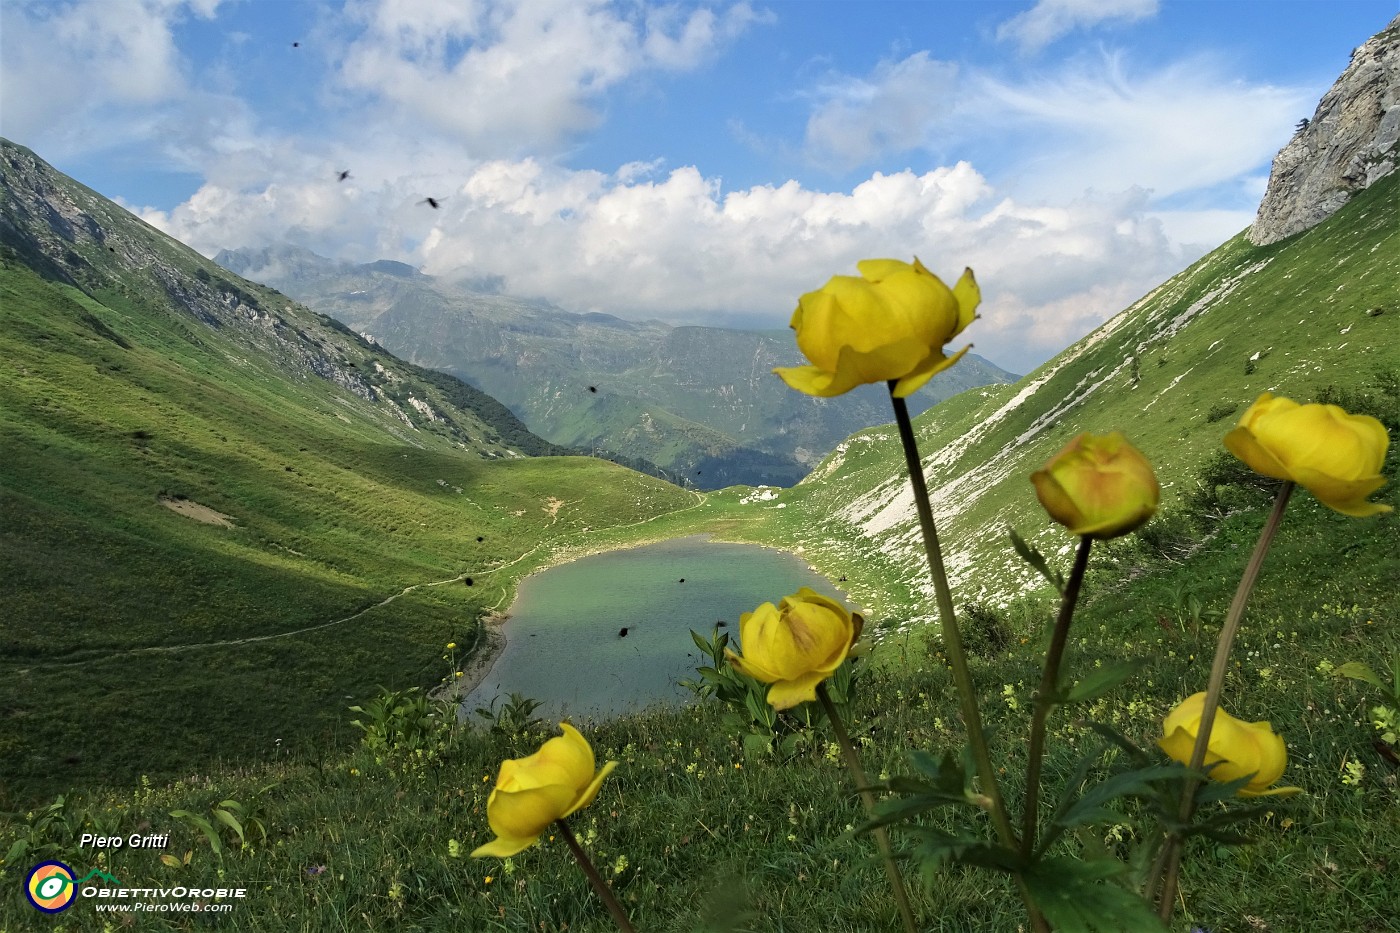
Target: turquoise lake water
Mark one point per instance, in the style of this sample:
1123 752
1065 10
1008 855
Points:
562 641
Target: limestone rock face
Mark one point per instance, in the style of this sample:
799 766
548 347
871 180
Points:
1352 140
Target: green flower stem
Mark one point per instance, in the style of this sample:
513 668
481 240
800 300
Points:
1171 858
599 885
1047 695
882 838
957 657
952 637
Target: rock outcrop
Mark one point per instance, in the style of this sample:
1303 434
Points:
1352 140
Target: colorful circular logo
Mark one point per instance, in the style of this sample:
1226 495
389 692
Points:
50 887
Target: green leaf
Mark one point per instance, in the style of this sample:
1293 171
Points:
788 746
938 848
1140 757
231 821
1216 825
1103 679
1032 556
893 811
1091 806
1216 791
756 745
1356 670
1085 896
201 824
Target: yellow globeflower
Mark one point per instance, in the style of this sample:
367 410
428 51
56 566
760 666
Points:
1336 456
1098 486
534 791
795 645
1241 747
889 323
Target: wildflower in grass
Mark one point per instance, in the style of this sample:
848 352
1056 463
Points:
1099 487
1240 748
795 645
1334 455
1387 723
888 324
534 791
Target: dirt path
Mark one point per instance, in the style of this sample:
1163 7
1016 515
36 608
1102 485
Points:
486 653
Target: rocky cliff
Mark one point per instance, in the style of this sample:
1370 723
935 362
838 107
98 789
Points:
1352 140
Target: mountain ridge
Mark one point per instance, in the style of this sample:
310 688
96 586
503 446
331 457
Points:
699 401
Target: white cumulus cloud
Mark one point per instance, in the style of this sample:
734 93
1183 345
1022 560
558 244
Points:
505 77
679 247
65 66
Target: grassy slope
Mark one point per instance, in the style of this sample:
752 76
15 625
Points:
1320 311
105 409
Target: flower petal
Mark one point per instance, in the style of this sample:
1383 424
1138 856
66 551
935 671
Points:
1345 496
810 380
591 791
1335 455
525 814
1258 458
932 366
501 847
785 694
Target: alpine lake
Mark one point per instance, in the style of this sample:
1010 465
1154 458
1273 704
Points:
565 641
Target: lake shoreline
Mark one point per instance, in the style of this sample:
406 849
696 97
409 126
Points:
475 671
493 632
493 641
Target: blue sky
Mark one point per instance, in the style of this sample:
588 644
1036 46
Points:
695 163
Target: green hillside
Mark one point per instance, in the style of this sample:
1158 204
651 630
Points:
1316 316
222 514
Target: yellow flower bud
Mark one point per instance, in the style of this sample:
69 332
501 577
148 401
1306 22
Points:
534 791
1241 748
1098 486
1334 455
795 645
890 323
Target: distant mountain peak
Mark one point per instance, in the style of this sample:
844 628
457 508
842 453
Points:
1351 141
390 267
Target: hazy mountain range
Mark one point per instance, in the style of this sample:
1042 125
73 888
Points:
700 402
